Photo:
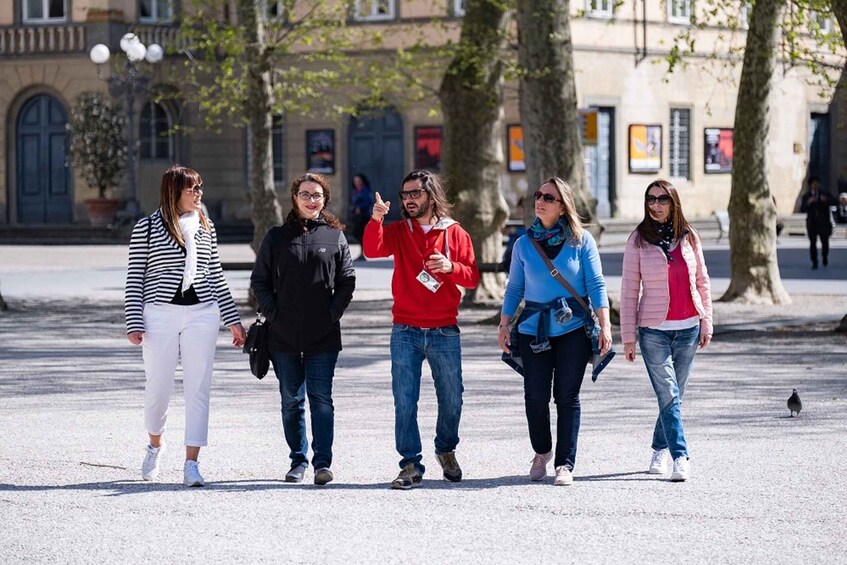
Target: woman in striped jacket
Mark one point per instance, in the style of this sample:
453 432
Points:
664 260
175 298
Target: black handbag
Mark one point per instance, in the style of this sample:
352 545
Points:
256 346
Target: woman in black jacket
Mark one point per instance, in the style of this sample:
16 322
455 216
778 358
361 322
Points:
303 280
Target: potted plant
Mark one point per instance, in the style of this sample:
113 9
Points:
98 149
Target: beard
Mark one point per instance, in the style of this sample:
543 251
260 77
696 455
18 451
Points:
421 211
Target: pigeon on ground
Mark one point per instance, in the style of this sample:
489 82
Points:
794 403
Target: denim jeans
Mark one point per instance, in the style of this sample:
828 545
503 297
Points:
562 367
302 374
442 349
668 356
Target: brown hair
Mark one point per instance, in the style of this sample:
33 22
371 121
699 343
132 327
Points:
327 216
572 219
174 181
648 228
431 184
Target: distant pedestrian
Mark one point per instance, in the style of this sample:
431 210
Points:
663 262
361 203
433 257
815 203
176 296
841 209
552 340
303 280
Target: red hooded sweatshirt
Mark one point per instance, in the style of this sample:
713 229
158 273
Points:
414 304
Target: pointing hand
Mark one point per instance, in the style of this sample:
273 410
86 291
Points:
380 208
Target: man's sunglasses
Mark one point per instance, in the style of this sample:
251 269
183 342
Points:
413 194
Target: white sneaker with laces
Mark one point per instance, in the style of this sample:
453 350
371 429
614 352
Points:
150 465
681 470
191 474
659 462
564 477
538 470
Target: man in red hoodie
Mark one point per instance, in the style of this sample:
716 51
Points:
433 257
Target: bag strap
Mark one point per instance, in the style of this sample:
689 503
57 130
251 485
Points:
554 272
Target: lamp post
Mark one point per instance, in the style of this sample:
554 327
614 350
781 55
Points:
128 84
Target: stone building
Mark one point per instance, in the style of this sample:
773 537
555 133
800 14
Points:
640 121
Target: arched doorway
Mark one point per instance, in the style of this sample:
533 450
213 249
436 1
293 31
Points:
43 177
375 143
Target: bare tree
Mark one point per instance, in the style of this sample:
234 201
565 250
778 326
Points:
472 104
548 101
752 233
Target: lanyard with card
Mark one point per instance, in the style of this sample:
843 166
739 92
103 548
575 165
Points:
426 277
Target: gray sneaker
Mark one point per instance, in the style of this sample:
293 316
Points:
408 478
538 470
323 476
296 473
452 471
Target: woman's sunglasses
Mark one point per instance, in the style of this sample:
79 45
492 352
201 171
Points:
548 198
664 199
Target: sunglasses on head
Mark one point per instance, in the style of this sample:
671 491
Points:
664 199
548 198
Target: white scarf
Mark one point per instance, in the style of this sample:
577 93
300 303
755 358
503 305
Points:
189 225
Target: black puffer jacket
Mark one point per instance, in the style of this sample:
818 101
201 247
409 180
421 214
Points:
303 280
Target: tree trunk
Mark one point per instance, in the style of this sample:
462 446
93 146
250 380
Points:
752 229
472 103
265 209
839 8
548 102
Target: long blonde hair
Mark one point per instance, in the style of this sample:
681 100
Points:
572 219
174 181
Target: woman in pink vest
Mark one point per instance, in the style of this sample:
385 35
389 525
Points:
664 260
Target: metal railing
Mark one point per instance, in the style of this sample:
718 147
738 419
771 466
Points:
165 35
34 40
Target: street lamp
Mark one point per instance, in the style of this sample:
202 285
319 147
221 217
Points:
129 83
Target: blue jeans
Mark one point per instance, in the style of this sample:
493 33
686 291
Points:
668 356
442 349
302 374
562 367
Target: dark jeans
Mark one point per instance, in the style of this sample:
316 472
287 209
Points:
814 233
562 367
301 375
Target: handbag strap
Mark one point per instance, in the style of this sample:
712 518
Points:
554 272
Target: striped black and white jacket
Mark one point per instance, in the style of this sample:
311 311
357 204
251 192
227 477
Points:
156 267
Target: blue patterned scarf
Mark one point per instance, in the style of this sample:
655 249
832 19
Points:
547 237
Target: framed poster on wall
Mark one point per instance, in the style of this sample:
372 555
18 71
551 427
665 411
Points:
717 145
320 151
645 148
514 142
428 148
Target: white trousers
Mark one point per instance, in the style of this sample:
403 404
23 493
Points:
173 333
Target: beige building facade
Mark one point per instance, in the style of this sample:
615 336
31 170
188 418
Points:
641 122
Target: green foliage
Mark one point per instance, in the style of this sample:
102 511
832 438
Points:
97 130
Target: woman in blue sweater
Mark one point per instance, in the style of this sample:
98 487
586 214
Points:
552 340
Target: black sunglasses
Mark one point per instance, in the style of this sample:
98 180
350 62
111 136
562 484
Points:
664 199
548 198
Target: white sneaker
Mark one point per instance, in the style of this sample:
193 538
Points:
659 462
564 477
150 465
538 470
191 474
681 470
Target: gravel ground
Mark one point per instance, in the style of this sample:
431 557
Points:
765 488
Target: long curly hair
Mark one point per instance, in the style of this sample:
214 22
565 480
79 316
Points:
327 216
174 181
431 184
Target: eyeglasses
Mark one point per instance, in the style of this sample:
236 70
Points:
306 196
664 199
195 190
548 198
413 194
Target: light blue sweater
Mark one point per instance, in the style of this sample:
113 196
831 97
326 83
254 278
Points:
530 279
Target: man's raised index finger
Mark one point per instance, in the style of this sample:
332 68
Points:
378 198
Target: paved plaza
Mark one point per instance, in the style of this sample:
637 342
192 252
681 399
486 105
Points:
765 488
